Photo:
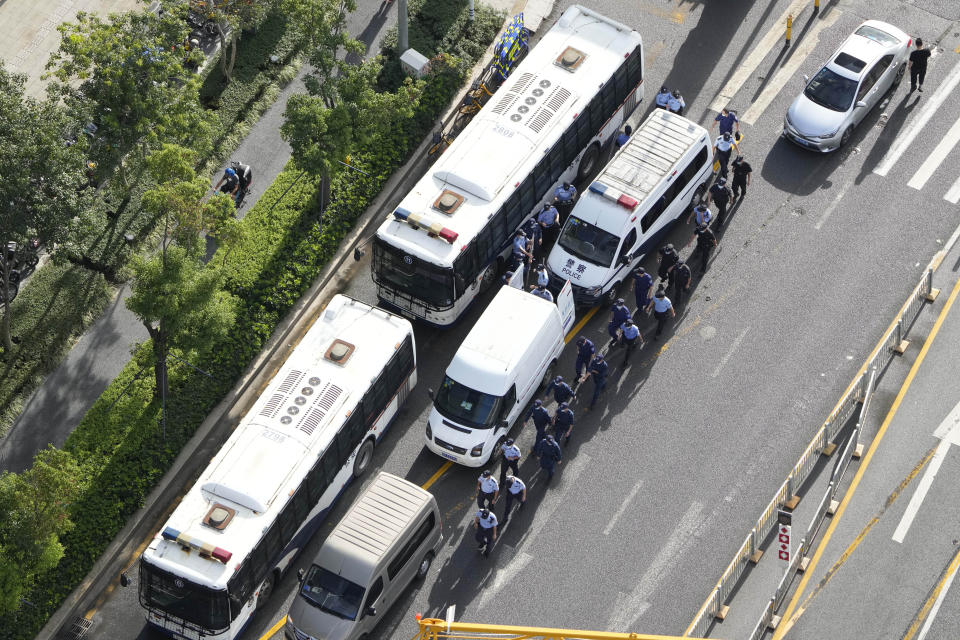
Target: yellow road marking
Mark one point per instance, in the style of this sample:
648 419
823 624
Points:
269 634
925 610
579 325
788 615
436 476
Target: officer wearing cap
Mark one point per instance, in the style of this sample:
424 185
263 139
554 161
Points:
520 252
741 176
507 277
541 291
534 236
618 313
541 420
642 287
585 351
542 276
720 194
675 103
598 371
682 276
630 337
487 489
701 213
661 306
485 522
706 241
511 458
561 391
721 150
516 490
663 98
548 451
563 422
668 257
563 198
624 136
549 221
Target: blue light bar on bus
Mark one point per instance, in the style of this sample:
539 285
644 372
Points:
422 221
619 197
206 549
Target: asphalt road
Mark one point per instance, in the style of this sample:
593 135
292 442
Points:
664 479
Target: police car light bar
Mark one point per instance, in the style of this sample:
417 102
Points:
422 221
619 197
206 549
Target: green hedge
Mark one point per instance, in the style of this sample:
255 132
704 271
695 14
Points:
119 442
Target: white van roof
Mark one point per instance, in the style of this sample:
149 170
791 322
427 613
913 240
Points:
371 527
651 153
499 339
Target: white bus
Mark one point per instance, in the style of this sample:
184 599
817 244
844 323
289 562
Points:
265 493
546 124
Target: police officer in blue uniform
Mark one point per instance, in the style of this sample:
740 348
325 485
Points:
548 451
541 420
663 98
563 198
521 254
630 337
561 391
624 136
549 221
675 103
700 213
563 423
541 275
619 313
682 277
487 489
668 257
642 288
598 371
534 236
722 147
541 291
585 351
511 458
485 522
516 490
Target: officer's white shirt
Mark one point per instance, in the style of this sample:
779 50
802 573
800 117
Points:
724 145
702 216
663 99
675 103
488 485
489 522
517 487
510 450
543 278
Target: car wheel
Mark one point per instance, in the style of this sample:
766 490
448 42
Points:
588 162
363 459
845 138
424 567
901 71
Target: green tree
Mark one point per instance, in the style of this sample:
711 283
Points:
34 514
231 18
126 75
180 301
41 178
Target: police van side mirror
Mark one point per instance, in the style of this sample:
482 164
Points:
861 103
371 610
504 424
430 393
626 258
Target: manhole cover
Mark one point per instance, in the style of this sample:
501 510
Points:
798 211
79 627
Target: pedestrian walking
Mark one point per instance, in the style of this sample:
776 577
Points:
548 451
668 257
918 66
722 147
561 391
675 103
521 255
510 460
642 288
541 420
727 120
516 492
541 275
720 195
681 281
619 312
549 221
487 489
541 291
624 136
700 213
662 99
585 351
741 176
706 241
661 306
630 337
563 422
485 522
564 197
598 372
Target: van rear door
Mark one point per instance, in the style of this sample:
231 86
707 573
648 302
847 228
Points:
566 307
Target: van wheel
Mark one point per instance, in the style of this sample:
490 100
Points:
425 565
489 276
363 459
266 589
588 162
611 296
548 374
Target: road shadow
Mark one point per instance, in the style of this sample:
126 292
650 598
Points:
896 117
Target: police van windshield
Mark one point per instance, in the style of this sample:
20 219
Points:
466 406
588 242
831 90
332 593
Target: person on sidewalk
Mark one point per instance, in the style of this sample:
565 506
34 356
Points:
918 66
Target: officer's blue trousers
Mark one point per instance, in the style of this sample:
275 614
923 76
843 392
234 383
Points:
582 363
599 384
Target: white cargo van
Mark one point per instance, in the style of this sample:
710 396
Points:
652 180
389 537
506 357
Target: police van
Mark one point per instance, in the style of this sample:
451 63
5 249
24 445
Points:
662 171
509 354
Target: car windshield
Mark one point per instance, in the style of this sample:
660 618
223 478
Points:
332 593
466 406
588 242
877 35
830 90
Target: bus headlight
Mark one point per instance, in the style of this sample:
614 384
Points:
477 451
429 432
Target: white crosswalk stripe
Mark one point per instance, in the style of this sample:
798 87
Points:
953 195
936 157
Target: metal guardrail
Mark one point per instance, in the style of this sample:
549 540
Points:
856 397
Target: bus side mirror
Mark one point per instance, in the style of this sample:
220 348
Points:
124 579
300 575
430 393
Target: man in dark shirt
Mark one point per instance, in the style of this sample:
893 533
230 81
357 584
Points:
741 176
918 66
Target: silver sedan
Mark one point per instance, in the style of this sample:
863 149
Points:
868 63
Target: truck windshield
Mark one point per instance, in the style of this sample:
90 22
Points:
466 406
332 593
410 275
588 242
176 597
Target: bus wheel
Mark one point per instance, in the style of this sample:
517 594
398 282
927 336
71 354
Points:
363 459
266 589
489 276
588 162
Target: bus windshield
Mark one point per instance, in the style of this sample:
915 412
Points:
332 593
466 406
588 242
177 597
410 275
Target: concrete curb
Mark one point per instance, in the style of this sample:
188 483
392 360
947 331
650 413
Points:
122 553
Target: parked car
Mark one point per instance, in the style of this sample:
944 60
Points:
858 74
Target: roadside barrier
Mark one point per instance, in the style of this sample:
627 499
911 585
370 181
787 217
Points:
856 397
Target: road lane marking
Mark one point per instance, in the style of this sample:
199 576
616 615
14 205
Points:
623 507
906 138
436 476
949 433
576 328
953 195
755 57
269 634
936 157
519 557
929 612
784 73
630 607
833 204
789 617
730 352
